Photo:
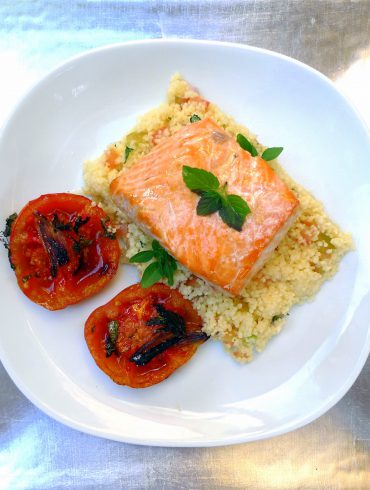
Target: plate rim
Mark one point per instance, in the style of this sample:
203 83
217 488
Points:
247 47
298 422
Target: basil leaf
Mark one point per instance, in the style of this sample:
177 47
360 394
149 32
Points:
232 209
209 203
194 118
164 266
168 273
272 153
172 263
128 150
161 258
151 275
197 179
230 217
156 246
141 257
169 267
159 252
246 145
239 205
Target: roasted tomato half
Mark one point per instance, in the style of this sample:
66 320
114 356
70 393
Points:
142 335
62 250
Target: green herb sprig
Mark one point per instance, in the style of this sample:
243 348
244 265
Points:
194 118
128 150
111 338
164 265
232 209
267 155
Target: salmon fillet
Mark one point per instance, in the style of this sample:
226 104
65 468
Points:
155 196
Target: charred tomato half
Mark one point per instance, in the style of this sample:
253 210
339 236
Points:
62 250
142 336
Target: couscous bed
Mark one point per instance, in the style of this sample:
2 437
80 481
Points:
308 255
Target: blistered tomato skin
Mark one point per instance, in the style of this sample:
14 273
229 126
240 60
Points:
62 250
158 349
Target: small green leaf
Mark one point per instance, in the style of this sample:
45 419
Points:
164 266
128 150
209 203
232 209
161 265
172 263
111 338
156 246
194 118
271 153
113 326
151 275
159 252
246 145
197 179
168 273
170 268
239 205
141 257
230 217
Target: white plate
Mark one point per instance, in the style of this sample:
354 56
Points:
92 100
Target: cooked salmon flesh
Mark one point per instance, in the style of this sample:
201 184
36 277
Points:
155 196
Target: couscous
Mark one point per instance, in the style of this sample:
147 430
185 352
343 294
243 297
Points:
309 253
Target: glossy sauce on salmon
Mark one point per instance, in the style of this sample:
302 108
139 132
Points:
155 196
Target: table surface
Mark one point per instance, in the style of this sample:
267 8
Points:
333 452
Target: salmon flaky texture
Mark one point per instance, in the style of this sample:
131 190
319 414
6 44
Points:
154 195
297 254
